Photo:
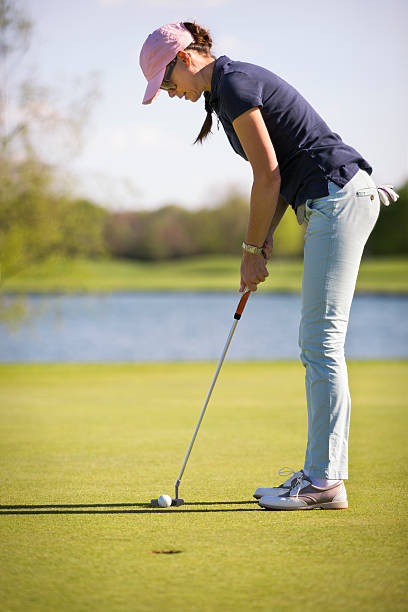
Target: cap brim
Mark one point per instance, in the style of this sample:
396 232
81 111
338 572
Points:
153 87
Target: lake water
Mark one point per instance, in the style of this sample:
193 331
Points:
137 327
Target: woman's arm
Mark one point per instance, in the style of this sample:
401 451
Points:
254 137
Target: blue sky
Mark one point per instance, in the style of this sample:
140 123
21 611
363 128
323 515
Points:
348 58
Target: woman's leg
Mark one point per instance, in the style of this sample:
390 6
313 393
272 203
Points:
338 228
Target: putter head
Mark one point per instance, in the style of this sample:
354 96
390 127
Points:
174 502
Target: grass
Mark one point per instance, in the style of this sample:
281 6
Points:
96 442
206 273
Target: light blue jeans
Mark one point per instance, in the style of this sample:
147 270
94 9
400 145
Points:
338 227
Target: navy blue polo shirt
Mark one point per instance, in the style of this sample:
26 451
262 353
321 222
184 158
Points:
308 152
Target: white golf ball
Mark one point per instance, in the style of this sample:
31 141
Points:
164 501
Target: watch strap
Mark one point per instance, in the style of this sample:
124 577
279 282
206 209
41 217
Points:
250 248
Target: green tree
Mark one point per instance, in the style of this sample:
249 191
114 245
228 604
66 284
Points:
82 228
29 224
389 236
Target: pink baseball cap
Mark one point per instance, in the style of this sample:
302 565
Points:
160 47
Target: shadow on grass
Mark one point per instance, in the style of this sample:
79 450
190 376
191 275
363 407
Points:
130 508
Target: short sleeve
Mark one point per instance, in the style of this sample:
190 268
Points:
239 93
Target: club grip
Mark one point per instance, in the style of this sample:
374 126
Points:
241 305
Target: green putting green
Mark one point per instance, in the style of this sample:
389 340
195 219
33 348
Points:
85 447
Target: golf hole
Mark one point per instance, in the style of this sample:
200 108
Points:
166 552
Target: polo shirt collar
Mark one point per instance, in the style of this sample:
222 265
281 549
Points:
216 77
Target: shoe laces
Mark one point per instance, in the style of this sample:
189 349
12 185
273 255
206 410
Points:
298 484
286 472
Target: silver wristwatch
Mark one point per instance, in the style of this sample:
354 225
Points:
254 250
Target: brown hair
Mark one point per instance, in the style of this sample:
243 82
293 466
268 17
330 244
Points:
202 43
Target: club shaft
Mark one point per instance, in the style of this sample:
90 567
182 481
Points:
206 402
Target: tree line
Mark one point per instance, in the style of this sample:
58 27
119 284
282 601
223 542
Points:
36 221
173 231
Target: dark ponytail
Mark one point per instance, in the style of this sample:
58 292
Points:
207 125
202 44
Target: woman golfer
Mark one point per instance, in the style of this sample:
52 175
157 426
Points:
297 161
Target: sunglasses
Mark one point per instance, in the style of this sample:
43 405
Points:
166 85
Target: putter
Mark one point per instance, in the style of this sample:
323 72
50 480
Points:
177 501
